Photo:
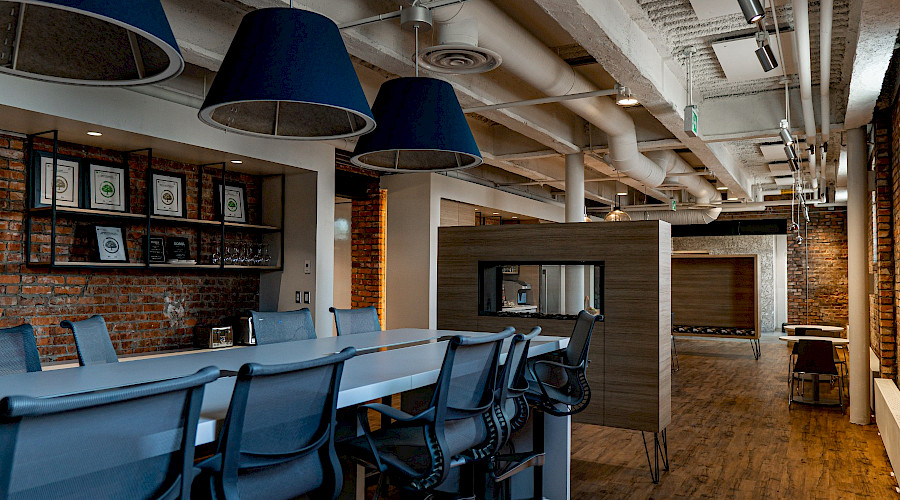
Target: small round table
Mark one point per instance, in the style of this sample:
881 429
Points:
824 328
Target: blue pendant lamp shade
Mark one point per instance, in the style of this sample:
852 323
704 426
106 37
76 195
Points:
89 42
421 128
287 74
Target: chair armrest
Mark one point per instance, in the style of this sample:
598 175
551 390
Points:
426 416
213 463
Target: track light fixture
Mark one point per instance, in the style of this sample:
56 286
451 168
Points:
764 53
624 97
752 9
790 153
785 133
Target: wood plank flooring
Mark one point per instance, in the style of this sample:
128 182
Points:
732 436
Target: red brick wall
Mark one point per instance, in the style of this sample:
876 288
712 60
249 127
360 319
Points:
827 238
368 240
145 310
368 250
882 315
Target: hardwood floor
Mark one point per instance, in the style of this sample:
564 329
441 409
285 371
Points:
732 436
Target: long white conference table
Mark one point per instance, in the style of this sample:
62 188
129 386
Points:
412 361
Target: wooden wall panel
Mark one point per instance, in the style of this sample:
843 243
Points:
630 370
715 290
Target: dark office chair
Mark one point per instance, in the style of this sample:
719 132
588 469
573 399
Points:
816 357
350 321
92 341
511 414
278 437
133 442
417 452
275 327
18 350
799 332
552 384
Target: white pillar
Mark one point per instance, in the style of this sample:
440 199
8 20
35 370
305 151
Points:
574 213
858 274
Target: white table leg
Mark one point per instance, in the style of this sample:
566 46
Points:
558 462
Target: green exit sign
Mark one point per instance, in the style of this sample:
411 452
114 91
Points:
692 121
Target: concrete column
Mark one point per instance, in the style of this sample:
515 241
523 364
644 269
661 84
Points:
574 213
858 275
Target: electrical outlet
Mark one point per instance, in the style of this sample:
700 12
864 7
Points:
306 267
297 297
306 297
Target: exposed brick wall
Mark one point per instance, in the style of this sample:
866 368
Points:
368 250
826 235
882 315
368 239
145 310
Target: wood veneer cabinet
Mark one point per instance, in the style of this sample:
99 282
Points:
630 355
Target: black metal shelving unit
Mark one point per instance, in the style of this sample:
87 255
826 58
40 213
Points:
150 221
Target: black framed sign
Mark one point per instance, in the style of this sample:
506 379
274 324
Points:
177 249
235 205
157 253
111 245
66 183
168 194
107 186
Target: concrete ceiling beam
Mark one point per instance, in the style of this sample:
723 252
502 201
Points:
619 35
873 30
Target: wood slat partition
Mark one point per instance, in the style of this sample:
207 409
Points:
630 370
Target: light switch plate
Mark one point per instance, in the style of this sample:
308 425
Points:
306 297
297 297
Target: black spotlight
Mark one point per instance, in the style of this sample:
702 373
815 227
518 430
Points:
752 9
766 57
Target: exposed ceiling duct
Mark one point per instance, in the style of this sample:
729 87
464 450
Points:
529 59
706 194
457 50
804 70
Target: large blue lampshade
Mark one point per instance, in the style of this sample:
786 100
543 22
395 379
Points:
89 42
421 128
287 74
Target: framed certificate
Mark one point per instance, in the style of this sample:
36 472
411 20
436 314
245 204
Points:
111 244
65 184
107 187
168 194
235 204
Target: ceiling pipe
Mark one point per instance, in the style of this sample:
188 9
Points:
704 192
826 12
530 60
804 70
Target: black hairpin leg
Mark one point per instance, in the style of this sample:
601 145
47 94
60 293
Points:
660 449
757 352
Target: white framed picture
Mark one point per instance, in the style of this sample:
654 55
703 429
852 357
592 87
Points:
111 244
65 184
107 187
234 207
168 194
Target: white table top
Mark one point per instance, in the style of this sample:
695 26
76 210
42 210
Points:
824 328
365 377
795 338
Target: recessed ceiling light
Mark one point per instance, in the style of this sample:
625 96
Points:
623 193
722 188
237 162
514 217
94 134
496 213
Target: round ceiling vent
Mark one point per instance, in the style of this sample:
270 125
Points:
459 59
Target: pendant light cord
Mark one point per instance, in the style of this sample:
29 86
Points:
417 51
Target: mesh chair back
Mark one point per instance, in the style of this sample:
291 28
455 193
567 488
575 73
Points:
579 342
135 442
278 440
350 321
275 327
815 356
512 380
18 350
92 341
472 373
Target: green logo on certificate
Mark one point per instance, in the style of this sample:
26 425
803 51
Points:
107 189
232 205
